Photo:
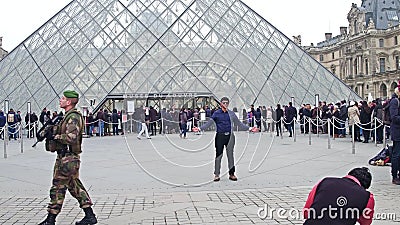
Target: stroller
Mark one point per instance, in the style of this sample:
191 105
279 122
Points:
383 157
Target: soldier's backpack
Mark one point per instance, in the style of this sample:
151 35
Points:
386 112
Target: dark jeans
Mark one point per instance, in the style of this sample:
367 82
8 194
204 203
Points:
11 132
356 136
183 129
222 140
290 127
395 159
115 129
153 127
379 133
342 129
278 128
366 131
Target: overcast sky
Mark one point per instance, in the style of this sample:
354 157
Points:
309 18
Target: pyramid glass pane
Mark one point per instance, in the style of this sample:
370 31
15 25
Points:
112 49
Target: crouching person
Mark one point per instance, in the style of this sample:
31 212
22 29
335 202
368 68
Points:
341 200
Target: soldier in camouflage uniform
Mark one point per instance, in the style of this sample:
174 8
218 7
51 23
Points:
66 140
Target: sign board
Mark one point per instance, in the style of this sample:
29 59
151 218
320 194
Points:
131 106
124 118
202 116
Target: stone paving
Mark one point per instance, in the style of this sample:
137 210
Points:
168 180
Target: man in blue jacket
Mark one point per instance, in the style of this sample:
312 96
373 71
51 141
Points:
395 134
224 137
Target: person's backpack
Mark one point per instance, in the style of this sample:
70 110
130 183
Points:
386 112
383 157
10 118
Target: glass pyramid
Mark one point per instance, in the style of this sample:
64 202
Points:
127 48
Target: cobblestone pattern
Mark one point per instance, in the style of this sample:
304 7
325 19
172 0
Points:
215 207
33 210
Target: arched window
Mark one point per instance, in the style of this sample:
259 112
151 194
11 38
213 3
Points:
383 91
392 87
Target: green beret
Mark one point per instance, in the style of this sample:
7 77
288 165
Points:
71 94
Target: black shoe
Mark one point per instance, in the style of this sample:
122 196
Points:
379 142
89 219
232 177
366 141
50 220
396 181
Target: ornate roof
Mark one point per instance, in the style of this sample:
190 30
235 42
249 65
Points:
384 13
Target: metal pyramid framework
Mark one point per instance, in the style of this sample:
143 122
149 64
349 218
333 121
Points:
103 48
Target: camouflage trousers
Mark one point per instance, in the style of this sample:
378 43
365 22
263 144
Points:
66 176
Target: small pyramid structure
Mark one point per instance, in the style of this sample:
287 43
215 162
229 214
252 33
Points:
125 48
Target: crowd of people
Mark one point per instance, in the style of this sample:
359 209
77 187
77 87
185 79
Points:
360 115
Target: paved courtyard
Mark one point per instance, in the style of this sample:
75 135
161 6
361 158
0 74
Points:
168 180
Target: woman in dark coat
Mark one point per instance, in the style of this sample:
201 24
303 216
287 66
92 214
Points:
279 115
365 120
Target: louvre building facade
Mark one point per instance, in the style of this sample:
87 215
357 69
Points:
366 54
164 53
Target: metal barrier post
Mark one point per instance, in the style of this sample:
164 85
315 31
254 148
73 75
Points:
100 128
329 133
34 131
317 124
5 139
333 126
162 126
384 135
22 139
29 129
282 126
309 131
353 147
131 123
376 144
294 129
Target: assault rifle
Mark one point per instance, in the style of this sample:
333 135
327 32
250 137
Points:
47 130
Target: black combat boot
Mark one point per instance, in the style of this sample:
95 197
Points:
50 220
89 218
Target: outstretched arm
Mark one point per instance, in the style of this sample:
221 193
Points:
208 124
236 120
